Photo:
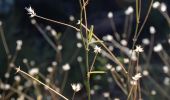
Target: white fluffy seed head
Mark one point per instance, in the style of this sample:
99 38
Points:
156 4
33 71
53 32
17 78
25 60
152 30
165 69
146 41
79 45
109 66
33 21
153 92
166 81
129 10
79 59
158 48
50 69
78 35
19 44
163 7
106 94
123 42
76 87
110 14
145 73
71 18
66 67
97 49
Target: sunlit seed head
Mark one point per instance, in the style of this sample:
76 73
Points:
17 78
145 73
133 82
78 35
110 14
123 42
79 45
50 69
152 30
30 11
106 94
19 44
158 48
48 28
169 40
47 80
7 75
166 81
97 49
163 7
138 49
111 48
33 71
153 92
71 18
116 98
126 60
118 68
66 67
146 41
137 77
59 47
108 66
129 10
12 65
76 87
156 4
33 21
92 92
165 69
53 32
25 60
0 23
79 59
54 63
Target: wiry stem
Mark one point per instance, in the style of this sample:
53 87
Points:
19 70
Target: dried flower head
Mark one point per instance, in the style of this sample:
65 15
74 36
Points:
19 44
156 4
110 15
137 77
66 67
33 71
129 10
30 11
106 94
158 48
76 87
97 49
138 49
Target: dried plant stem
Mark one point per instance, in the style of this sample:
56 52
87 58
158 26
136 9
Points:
73 95
131 90
58 22
92 65
19 70
46 37
4 42
118 83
